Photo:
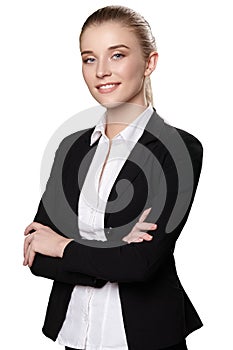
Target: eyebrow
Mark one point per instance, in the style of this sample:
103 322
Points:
109 48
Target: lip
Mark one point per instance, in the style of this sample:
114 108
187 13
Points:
106 90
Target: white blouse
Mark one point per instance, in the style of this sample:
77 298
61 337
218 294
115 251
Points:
94 316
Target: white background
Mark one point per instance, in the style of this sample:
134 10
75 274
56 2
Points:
42 86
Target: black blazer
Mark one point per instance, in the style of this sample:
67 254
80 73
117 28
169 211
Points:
156 310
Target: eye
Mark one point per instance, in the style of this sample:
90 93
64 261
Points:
117 56
89 60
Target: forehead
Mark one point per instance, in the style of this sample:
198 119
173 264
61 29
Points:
108 34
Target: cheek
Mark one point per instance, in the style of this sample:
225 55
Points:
132 71
84 75
87 75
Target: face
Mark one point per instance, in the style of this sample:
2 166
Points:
113 65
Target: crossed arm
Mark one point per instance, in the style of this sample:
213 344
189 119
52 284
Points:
49 254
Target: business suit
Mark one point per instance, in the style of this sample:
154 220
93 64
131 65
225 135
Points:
156 310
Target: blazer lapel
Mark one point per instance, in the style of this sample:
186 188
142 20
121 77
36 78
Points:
80 155
138 156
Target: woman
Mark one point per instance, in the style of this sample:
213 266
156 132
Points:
129 295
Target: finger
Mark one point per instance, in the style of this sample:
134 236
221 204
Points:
135 240
146 237
132 239
27 229
144 214
27 242
25 247
145 226
31 257
33 226
25 262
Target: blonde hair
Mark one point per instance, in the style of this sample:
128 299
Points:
131 19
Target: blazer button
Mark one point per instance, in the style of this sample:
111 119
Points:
108 230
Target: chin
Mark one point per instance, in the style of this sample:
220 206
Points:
112 104
109 103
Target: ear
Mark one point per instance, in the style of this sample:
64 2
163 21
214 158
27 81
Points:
151 63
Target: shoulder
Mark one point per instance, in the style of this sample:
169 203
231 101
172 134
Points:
78 135
191 142
190 139
174 137
185 150
71 143
75 138
182 147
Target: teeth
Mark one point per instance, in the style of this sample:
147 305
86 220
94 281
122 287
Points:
109 86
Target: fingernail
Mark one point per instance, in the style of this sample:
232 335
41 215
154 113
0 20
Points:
153 226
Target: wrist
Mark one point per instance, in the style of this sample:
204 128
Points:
62 245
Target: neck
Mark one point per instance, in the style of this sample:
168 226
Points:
124 113
120 116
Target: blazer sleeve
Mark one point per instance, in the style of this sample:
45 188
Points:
137 261
48 267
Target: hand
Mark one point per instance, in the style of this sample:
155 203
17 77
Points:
44 241
135 234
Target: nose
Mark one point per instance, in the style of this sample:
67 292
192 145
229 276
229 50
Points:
103 69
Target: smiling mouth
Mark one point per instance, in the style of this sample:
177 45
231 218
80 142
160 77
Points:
106 88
